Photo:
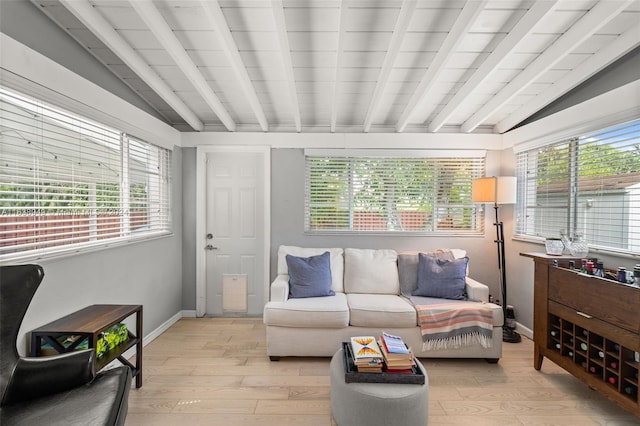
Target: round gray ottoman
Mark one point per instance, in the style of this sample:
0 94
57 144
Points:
371 404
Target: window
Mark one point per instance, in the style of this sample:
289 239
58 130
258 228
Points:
67 182
391 194
588 184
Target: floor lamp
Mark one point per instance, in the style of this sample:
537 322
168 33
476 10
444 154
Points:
498 190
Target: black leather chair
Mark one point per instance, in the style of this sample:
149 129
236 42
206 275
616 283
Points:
56 390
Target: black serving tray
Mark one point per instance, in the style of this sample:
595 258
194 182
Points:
352 375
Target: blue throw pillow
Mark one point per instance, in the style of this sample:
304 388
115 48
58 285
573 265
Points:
309 276
441 278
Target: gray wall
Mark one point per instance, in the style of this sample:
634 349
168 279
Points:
147 273
189 228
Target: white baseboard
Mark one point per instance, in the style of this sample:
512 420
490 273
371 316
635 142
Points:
156 333
527 332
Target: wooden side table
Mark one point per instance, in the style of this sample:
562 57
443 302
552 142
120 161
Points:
89 323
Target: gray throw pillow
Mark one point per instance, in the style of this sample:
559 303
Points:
309 276
441 278
408 268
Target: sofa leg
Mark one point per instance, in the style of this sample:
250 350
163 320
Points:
492 360
274 358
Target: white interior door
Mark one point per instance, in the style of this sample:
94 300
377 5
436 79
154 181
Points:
234 238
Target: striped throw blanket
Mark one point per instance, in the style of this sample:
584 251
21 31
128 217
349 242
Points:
450 325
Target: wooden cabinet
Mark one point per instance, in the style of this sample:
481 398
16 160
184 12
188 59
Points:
88 324
589 326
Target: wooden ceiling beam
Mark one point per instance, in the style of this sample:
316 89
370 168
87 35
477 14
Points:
213 12
285 55
101 28
402 23
342 25
523 28
588 25
465 20
624 44
165 36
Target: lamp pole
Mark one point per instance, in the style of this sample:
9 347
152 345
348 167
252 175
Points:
508 335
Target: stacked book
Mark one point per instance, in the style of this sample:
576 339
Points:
398 357
366 353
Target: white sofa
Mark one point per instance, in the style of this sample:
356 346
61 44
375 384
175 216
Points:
371 289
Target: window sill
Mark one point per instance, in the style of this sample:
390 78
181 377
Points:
592 250
63 252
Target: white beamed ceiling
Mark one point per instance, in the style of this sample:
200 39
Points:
315 65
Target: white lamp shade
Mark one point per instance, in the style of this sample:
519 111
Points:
494 189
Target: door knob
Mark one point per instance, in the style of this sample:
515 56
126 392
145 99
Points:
209 236
210 247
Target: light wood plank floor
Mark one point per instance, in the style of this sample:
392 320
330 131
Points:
215 371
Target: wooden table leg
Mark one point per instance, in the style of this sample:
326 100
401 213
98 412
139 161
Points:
537 358
139 348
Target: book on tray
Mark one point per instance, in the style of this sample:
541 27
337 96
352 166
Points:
366 353
398 357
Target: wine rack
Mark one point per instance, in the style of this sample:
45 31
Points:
603 359
589 326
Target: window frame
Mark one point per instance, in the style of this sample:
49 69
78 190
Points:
161 181
479 169
580 187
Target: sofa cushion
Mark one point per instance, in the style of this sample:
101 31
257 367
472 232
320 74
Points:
309 276
441 277
309 312
380 310
371 271
337 262
408 266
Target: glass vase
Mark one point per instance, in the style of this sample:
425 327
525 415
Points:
566 241
579 247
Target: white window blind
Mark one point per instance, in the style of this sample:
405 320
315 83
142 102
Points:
589 184
67 182
384 194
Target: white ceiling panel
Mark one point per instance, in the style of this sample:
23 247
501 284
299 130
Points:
187 16
497 20
310 41
312 19
259 19
433 19
253 84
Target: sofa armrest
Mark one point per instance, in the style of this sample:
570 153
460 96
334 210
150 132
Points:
476 290
280 289
36 377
